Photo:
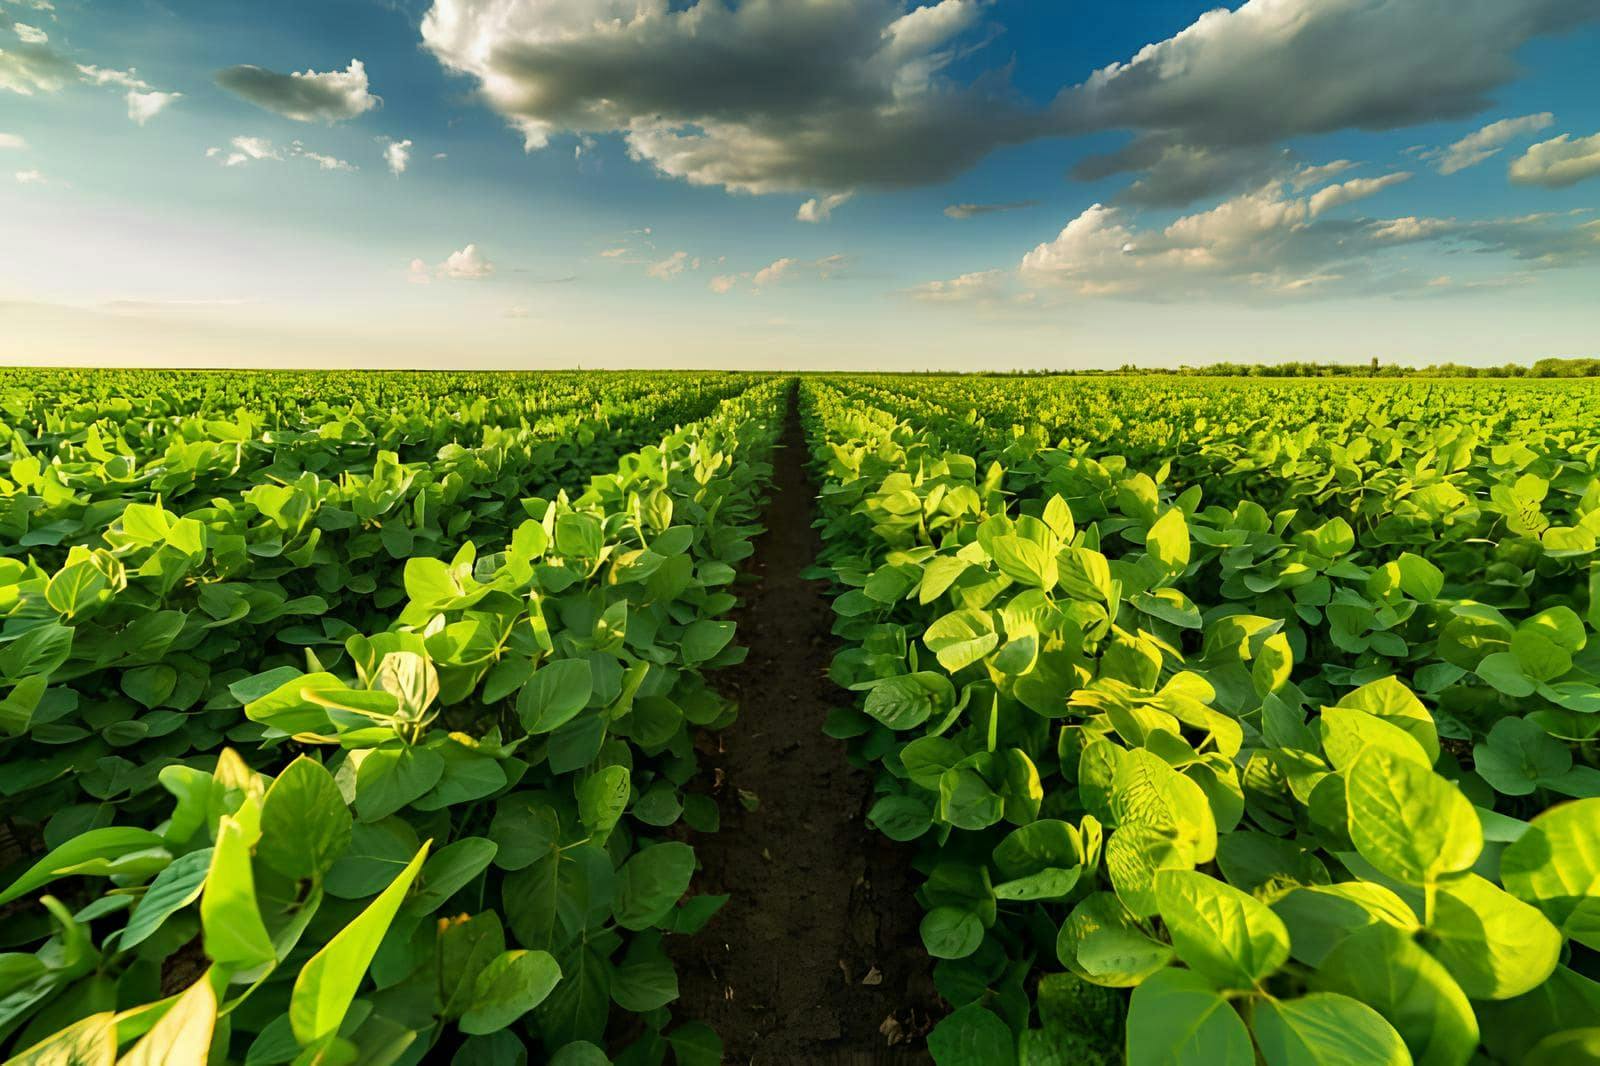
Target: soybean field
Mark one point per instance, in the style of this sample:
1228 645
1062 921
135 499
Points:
692 717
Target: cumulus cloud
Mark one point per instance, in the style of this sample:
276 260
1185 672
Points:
122 79
29 34
469 264
966 211
142 107
12 141
34 68
985 285
1558 162
673 265
781 271
30 177
820 209
304 96
245 150
1269 244
757 97
398 155
1481 144
1349 192
1270 70
1309 177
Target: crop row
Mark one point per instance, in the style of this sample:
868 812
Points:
456 833
1300 774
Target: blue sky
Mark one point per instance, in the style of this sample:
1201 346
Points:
783 183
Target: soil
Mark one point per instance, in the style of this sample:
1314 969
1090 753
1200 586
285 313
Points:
816 958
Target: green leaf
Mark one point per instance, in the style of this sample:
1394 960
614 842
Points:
1168 544
510 986
554 695
1518 757
1232 938
1325 1029
305 825
1024 560
1408 821
695 1044
645 980
905 701
387 779
703 640
961 638
900 818
1177 1019
951 932
1555 866
327 984
173 889
1386 969
183 1035
651 881
972 1036
602 798
230 918
1493 944
109 843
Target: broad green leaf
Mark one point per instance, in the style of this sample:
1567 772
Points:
972 1036
1555 866
555 694
81 852
1232 938
1387 970
1325 1029
305 825
1408 821
173 889
387 779
1495 945
230 917
650 882
328 983
951 932
1176 1018
183 1035
511 985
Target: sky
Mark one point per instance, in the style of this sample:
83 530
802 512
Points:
781 184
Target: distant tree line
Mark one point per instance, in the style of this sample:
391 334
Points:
1543 368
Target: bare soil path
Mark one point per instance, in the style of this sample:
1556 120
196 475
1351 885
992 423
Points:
816 958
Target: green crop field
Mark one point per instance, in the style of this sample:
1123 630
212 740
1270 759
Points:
505 719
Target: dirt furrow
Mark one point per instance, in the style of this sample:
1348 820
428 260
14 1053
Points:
816 958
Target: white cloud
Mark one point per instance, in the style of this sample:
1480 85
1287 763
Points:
245 150
29 34
398 155
774 272
1349 192
613 253
1270 244
1558 162
142 107
1475 147
982 286
723 284
123 79
671 266
1311 176
12 141
820 209
1270 70
304 96
781 271
33 68
30 177
468 264
760 97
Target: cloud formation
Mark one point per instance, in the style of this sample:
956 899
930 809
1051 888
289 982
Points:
29 34
469 264
1343 64
1558 162
1481 144
304 96
34 68
397 154
820 209
673 265
781 271
245 150
966 211
142 107
12 141
760 97
1269 244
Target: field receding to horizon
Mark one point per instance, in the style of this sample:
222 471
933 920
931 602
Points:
697 717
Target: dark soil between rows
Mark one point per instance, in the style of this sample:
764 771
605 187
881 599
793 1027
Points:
816 957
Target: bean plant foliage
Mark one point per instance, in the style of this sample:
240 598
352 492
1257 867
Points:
1231 725
293 785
